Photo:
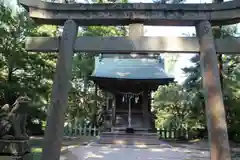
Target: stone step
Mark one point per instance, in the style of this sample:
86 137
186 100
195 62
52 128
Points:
128 136
142 134
135 129
129 141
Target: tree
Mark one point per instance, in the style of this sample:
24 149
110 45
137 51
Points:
229 74
23 73
174 106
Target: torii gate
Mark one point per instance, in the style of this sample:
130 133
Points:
202 16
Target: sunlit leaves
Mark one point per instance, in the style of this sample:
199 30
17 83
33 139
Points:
22 72
175 102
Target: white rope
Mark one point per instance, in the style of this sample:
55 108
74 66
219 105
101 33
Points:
130 93
129 113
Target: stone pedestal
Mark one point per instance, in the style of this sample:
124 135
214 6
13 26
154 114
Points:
15 149
24 157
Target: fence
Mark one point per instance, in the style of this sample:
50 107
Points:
169 133
164 133
79 130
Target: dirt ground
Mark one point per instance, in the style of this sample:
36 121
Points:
73 142
201 145
74 145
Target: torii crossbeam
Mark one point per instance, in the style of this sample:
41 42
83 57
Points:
142 45
128 13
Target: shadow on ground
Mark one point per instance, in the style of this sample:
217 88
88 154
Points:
36 145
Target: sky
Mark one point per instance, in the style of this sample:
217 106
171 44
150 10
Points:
183 60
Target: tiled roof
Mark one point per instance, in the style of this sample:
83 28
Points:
129 68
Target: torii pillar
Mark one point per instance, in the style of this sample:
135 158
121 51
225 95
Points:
61 85
215 113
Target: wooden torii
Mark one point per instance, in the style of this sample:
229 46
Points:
202 16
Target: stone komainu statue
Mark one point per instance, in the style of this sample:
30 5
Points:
13 119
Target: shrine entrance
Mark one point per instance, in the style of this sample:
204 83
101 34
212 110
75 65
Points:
202 16
129 114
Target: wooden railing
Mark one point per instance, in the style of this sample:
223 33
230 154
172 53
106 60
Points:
81 131
75 129
168 133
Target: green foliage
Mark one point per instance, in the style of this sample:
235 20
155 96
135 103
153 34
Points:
19 67
26 73
23 73
193 74
231 85
175 106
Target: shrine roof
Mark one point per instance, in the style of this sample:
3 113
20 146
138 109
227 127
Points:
130 69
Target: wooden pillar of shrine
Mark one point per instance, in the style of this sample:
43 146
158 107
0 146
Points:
151 115
145 110
61 86
110 107
114 112
215 113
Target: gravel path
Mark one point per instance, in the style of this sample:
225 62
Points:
92 152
